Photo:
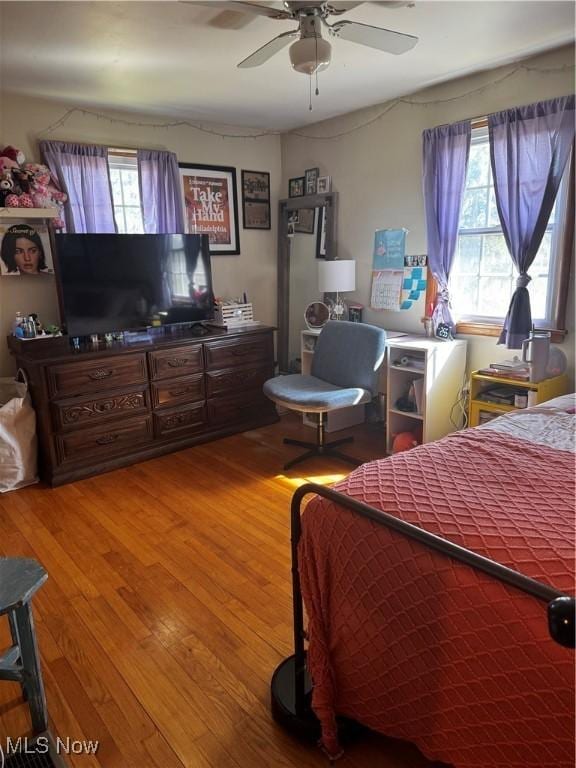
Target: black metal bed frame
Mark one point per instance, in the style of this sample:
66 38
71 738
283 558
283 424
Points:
290 686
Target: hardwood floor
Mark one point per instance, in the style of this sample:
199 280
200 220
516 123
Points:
168 606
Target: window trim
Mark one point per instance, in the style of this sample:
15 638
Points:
557 326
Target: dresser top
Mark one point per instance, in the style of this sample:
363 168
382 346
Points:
60 349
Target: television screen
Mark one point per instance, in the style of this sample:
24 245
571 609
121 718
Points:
126 282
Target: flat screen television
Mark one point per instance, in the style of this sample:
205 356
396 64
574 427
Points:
126 282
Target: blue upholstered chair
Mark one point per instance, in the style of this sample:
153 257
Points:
344 372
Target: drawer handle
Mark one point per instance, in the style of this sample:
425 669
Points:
107 439
181 391
101 373
179 362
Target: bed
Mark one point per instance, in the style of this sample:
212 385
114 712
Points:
421 647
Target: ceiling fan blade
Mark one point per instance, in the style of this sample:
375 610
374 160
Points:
268 50
374 37
242 7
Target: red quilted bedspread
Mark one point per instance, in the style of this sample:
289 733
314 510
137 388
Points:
419 647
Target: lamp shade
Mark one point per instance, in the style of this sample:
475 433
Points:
337 276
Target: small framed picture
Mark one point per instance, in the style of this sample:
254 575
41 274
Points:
296 187
311 177
324 184
293 219
306 219
256 199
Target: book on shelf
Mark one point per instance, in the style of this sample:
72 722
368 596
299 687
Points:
518 374
509 365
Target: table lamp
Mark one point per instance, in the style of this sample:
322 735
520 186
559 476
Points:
337 276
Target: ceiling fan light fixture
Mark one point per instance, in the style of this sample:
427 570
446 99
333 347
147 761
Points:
310 55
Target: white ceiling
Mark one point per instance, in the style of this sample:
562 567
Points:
167 57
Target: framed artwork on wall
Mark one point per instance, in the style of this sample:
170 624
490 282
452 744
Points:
324 184
296 187
211 205
25 248
256 200
311 180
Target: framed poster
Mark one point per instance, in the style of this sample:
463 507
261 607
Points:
256 200
25 248
211 205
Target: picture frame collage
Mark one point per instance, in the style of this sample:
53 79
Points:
309 184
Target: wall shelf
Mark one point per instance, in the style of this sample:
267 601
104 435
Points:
29 213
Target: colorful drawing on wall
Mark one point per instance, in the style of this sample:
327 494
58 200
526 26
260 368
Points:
413 285
389 248
25 248
211 205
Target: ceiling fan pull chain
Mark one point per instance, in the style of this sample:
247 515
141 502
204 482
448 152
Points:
316 70
310 94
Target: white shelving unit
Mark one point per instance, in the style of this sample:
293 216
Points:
28 213
436 370
334 420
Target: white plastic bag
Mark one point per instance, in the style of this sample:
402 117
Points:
18 444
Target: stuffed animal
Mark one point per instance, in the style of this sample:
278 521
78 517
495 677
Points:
404 441
18 201
45 191
6 187
16 155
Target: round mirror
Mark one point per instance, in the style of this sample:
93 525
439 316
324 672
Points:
316 315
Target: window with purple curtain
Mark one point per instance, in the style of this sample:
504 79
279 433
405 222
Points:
445 159
82 171
160 192
529 149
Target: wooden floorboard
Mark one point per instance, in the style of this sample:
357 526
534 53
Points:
168 606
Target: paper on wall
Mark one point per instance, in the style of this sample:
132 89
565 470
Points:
386 289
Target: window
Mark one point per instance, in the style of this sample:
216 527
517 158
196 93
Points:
126 193
483 276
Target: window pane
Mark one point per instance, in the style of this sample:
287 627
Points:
478 165
464 295
495 257
537 290
474 209
494 296
493 218
130 188
541 264
120 221
116 186
133 221
467 258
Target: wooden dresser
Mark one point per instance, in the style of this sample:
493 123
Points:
106 406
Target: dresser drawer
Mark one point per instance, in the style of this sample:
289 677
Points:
233 380
119 437
176 362
82 412
189 389
232 352
178 422
224 411
95 375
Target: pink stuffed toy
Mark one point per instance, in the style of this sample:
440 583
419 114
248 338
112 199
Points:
44 190
16 155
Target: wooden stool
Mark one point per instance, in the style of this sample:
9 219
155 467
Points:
20 578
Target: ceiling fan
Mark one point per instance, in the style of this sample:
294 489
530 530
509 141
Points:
310 52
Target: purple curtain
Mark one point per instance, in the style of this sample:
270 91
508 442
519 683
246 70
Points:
82 172
446 150
160 192
529 149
